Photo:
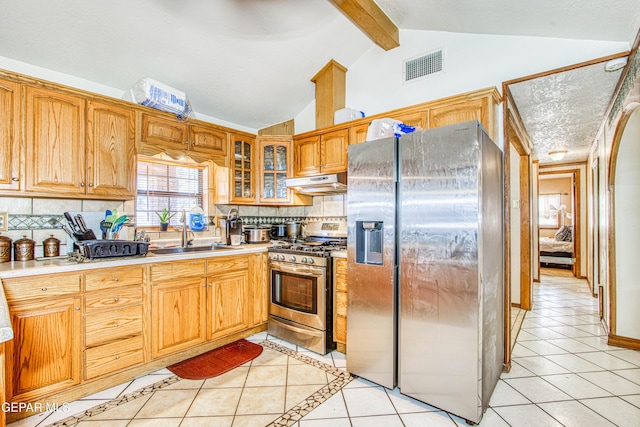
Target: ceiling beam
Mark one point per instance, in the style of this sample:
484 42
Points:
372 20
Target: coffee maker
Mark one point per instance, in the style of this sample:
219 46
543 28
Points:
231 226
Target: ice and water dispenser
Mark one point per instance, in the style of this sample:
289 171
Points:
369 242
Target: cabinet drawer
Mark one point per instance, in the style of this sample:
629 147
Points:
112 298
113 357
111 325
40 287
175 270
113 277
226 264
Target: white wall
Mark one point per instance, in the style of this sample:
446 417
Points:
515 225
472 61
76 82
627 230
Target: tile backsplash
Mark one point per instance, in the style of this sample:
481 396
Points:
39 218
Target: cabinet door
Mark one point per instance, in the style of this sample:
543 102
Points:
260 289
418 119
242 169
164 132
333 146
9 135
459 113
208 140
227 303
44 356
340 300
178 315
275 168
307 156
358 134
111 166
54 141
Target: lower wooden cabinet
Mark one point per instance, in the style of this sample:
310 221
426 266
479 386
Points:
340 302
178 315
44 356
227 303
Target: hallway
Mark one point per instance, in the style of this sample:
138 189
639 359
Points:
563 371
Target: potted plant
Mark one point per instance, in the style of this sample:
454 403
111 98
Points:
165 216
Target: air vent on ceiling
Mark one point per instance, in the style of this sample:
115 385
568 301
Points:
424 65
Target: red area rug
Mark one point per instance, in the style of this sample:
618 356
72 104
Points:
217 362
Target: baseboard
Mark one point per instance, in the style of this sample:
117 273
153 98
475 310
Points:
625 342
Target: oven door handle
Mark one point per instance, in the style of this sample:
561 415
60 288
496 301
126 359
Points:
298 269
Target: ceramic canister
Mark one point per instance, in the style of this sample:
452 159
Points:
5 249
23 249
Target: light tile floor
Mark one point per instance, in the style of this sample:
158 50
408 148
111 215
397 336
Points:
563 374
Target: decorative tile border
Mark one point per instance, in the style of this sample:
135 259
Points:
287 419
264 220
296 413
35 222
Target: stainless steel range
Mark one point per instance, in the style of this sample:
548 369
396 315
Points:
301 302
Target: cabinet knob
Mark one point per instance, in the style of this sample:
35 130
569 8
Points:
44 289
82 184
116 299
115 325
15 179
78 308
91 185
116 357
115 279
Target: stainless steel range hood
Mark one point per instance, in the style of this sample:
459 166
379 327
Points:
320 185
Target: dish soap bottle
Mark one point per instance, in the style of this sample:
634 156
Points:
196 219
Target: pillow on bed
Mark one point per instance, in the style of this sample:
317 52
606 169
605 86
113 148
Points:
563 234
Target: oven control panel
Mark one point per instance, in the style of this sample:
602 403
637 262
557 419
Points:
297 259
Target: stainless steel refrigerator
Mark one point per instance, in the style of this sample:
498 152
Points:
425 266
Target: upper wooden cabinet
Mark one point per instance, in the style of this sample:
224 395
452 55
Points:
10 135
242 169
324 153
66 154
55 142
111 162
161 132
476 109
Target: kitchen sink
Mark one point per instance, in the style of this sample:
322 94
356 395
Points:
179 249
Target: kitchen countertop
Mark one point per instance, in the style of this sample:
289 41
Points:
63 265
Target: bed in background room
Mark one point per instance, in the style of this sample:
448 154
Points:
557 251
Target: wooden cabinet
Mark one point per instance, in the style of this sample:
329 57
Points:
340 303
111 161
259 285
178 315
10 135
358 134
275 165
55 142
44 356
63 157
307 156
458 113
242 169
167 133
324 153
228 295
113 320
417 119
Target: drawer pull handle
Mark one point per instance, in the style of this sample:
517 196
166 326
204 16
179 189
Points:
115 279
116 357
44 289
116 299
115 325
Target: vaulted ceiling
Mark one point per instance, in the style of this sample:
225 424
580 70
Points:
249 62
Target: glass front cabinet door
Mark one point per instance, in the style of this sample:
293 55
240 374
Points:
242 169
275 167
